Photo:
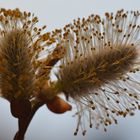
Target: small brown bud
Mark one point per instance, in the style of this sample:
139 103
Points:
58 105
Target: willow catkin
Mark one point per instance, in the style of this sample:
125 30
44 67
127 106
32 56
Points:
23 69
17 77
100 71
21 44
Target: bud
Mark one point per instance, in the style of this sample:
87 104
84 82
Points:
58 105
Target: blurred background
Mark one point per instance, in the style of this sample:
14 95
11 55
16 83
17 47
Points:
49 126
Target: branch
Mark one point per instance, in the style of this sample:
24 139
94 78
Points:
24 122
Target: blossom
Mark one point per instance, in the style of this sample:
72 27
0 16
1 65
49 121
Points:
100 70
22 45
97 63
21 48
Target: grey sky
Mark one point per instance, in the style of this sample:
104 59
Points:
46 125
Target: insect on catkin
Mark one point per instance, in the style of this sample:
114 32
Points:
100 71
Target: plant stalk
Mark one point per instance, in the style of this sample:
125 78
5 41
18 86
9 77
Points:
24 122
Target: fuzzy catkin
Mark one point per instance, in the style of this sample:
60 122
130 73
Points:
17 77
21 44
96 70
98 65
100 71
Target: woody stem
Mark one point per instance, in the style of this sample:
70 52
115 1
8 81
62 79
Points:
24 123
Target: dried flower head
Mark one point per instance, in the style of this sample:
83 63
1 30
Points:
100 71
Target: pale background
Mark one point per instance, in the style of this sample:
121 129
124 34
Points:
46 125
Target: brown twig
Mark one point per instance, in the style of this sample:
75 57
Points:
24 122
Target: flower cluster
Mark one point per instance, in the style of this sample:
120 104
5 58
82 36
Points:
25 59
21 65
100 71
97 70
